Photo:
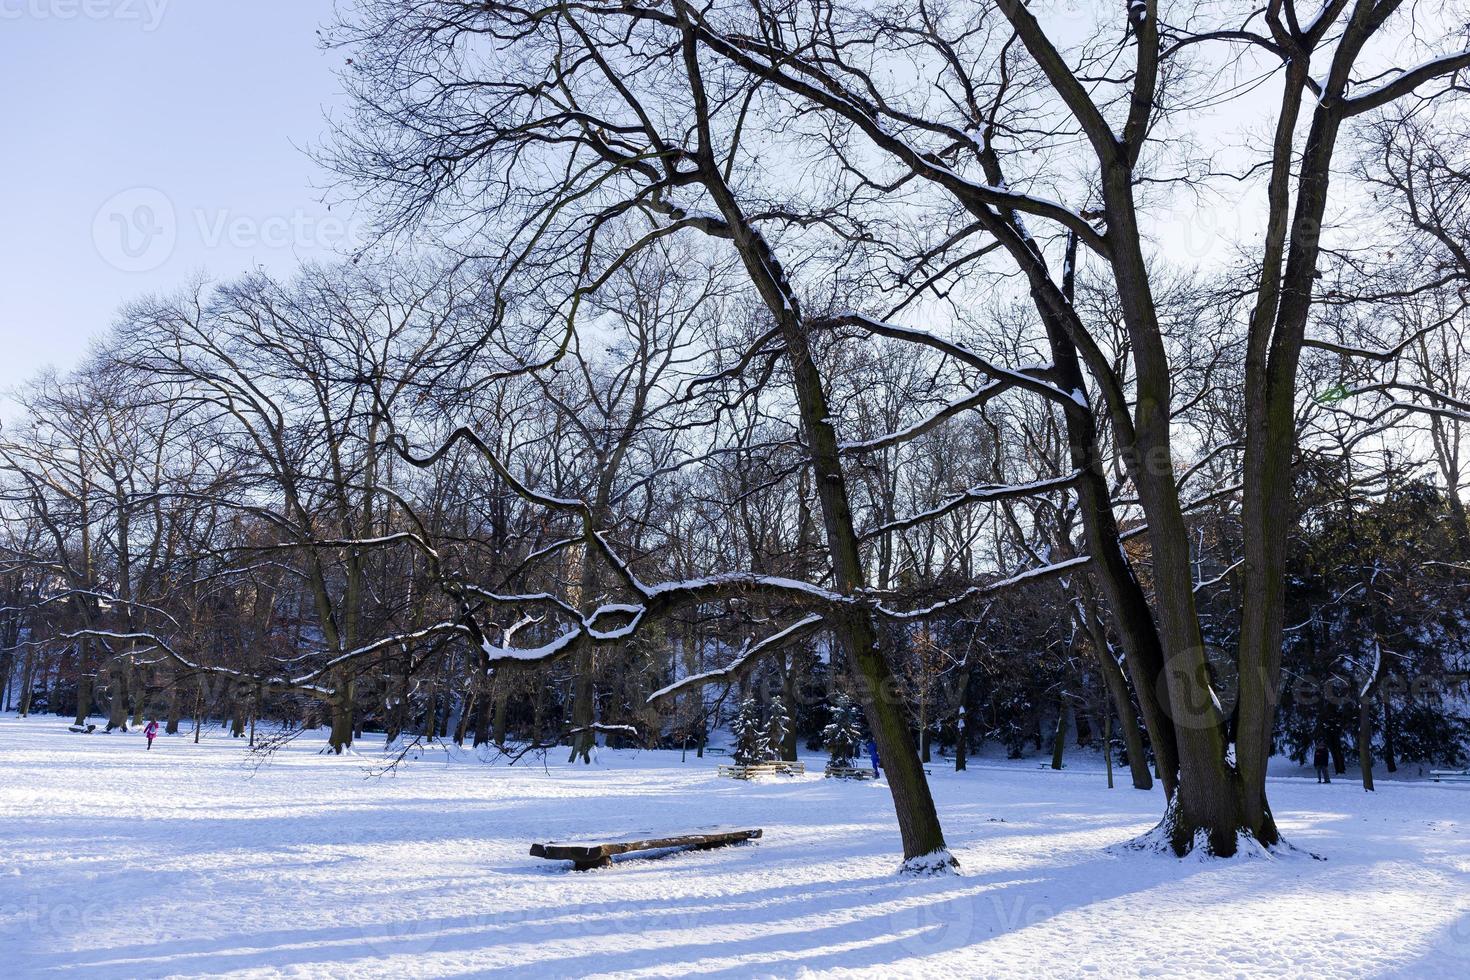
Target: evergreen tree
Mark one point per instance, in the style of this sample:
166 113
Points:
750 736
776 727
843 735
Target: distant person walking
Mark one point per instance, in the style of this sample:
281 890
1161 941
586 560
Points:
872 748
151 732
1319 759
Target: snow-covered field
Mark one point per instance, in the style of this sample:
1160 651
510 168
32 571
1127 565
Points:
189 860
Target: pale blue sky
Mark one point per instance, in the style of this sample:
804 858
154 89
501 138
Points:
144 140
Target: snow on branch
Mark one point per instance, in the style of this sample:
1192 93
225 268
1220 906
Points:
979 591
963 403
748 656
303 684
978 494
1406 82
1031 378
399 444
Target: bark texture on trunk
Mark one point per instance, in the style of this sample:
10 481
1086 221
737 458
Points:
853 629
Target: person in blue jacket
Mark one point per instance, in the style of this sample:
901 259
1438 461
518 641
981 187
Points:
872 748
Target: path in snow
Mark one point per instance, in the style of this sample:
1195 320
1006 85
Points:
116 862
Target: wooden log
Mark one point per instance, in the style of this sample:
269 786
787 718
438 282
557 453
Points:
588 854
753 769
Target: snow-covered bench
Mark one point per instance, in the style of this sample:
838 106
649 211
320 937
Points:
1449 775
753 769
588 854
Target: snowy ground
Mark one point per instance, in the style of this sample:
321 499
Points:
116 862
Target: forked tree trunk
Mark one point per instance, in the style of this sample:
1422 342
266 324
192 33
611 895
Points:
583 708
1207 805
1132 618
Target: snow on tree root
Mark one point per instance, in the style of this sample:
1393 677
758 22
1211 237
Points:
1160 841
931 865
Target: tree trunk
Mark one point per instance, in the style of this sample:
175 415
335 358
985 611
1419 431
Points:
117 696
175 706
239 706
431 713
961 742
1132 619
1059 735
1389 761
918 820
502 699
583 708
923 728
198 711
788 694
84 686
1365 741
1273 354
27 681
1117 687
139 688
340 736
484 708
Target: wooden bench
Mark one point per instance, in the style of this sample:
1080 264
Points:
754 769
588 854
712 750
1449 775
848 772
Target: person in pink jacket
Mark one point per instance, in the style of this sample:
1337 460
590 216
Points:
151 732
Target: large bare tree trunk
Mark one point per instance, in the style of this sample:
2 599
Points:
84 684
340 736
117 695
1059 734
175 706
1132 619
918 820
27 681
